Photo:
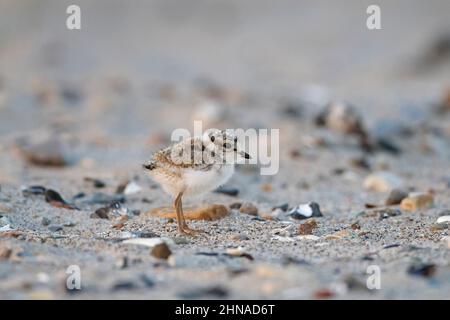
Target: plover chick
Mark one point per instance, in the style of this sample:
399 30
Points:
195 166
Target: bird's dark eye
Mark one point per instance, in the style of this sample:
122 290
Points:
212 138
227 145
235 139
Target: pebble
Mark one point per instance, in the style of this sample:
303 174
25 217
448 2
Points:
95 182
55 199
307 227
147 242
417 201
424 270
122 263
161 251
55 228
382 182
395 197
132 188
341 117
283 207
5 253
47 153
235 206
443 220
101 198
45 221
249 208
33 190
101 213
387 213
238 252
233 192
124 285
305 211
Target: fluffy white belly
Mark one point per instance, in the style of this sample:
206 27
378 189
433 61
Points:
198 182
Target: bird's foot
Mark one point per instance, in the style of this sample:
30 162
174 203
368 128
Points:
188 231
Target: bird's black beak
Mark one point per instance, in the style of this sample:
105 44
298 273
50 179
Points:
149 166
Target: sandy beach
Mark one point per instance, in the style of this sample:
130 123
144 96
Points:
82 110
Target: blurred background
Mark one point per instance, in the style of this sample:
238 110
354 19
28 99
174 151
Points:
82 110
116 89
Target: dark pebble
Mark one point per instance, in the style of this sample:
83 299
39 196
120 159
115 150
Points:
424 270
124 285
387 213
235 205
384 144
45 221
55 228
228 191
95 182
284 207
33 190
101 198
55 199
101 213
395 197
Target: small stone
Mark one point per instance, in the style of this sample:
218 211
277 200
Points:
122 263
45 221
355 226
424 270
101 198
238 252
180 240
267 187
443 220
55 199
341 117
233 192
387 213
161 251
124 285
33 190
248 208
305 211
307 227
101 213
55 228
132 188
235 206
382 182
47 153
283 207
417 201
5 253
395 197
96 182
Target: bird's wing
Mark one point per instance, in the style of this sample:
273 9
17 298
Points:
185 154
